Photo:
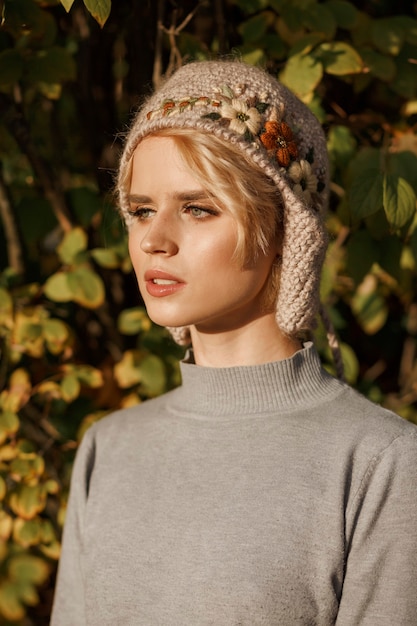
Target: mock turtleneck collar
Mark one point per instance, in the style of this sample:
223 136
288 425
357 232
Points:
292 383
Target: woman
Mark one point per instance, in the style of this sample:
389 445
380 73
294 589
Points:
262 490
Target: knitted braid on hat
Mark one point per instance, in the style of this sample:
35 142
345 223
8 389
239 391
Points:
247 107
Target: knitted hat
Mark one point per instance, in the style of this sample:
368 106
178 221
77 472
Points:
247 107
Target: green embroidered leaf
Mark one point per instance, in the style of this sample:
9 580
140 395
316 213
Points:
310 155
261 107
227 91
212 116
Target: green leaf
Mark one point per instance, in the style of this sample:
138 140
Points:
22 17
3 488
362 253
9 425
6 308
153 376
405 82
409 27
399 200
70 388
255 27
345 13
133 321
391 251
404 165
56 334
99 9
86 374
27 467
274 46
27 532
87 287
67 4
339 58
387 35
57 289
51 65
341 145
84 203
319 19
413 243
127 371
302 74
366 193
369 307
28 568
306 44
27 501
380 65
10 602
105 257
253 57
11 67
350 363
74 242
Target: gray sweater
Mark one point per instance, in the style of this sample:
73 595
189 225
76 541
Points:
269 494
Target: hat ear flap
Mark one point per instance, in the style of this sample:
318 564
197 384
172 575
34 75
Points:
304 249
181 335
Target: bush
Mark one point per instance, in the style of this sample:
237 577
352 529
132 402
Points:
75 340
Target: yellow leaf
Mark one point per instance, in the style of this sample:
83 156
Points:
6 525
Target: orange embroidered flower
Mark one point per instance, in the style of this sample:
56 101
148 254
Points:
279 137
167 106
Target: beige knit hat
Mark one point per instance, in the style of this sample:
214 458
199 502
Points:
247 107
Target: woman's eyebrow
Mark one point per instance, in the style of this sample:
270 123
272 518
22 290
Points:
183 196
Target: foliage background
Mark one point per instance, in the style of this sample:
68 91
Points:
75 342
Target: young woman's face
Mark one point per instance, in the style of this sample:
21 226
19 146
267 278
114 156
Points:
182 246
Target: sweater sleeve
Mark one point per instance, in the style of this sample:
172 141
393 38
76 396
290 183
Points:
381 533
68 607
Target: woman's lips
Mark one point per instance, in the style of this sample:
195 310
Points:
160 284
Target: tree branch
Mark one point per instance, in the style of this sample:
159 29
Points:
157 64
15 120
11 229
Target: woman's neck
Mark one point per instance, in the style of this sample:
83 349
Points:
260 341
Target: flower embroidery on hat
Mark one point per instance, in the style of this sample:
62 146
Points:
257 122
279 139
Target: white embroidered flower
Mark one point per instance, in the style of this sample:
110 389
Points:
305 181
242 118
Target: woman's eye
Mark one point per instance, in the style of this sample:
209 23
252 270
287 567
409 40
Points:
199 212
141 213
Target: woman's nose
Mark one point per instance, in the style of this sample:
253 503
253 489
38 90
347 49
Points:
160 238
